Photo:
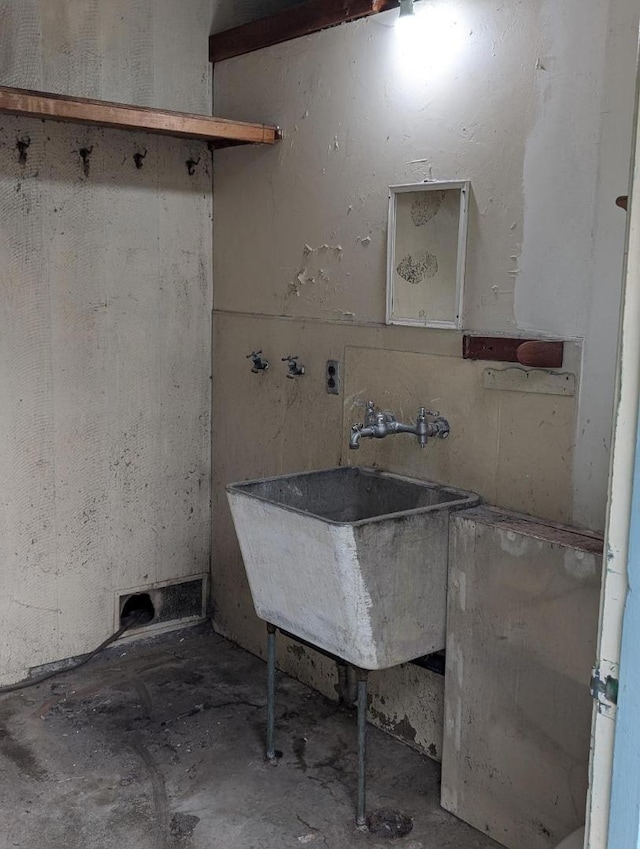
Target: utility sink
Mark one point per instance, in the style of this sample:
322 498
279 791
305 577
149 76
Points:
352 560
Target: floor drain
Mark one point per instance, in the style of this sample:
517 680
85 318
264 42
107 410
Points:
389 824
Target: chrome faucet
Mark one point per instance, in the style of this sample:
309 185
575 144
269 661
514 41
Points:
378 424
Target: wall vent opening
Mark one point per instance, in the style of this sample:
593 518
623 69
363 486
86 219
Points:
156 606
138 608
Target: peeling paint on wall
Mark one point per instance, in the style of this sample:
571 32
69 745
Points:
534 195
312 272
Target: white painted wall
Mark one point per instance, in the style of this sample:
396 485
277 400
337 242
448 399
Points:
576 164
532 102
105 335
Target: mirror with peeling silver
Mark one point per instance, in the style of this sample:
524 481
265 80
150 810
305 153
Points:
426 253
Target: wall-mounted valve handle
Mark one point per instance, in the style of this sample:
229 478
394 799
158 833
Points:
259 363
439 427
295 369
443 428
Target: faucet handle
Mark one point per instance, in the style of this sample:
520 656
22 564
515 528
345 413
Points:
294 368
442 427
370 414
422 412
259 363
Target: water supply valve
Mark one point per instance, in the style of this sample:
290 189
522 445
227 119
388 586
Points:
295 369
259 363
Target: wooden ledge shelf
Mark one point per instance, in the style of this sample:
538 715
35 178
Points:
220 131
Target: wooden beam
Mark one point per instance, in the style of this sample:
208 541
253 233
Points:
38 104
307 18
536 353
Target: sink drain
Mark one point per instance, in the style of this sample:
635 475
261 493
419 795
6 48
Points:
389 824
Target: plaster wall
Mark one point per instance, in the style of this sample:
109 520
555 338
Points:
105 339
531 102
521 637
533 105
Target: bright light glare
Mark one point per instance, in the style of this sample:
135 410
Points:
429 40
405 24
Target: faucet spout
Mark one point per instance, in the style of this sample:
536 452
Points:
379 424
357 432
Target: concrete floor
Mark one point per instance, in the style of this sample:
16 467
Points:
160 744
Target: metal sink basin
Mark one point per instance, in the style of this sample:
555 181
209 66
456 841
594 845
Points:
352 560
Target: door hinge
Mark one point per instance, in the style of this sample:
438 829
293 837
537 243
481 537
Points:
604 688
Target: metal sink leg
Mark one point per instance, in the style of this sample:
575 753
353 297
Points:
271 692
362 677
361 816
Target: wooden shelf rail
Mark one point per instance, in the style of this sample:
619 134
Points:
220 131
303 19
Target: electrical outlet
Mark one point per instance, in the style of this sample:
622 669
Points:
332 377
